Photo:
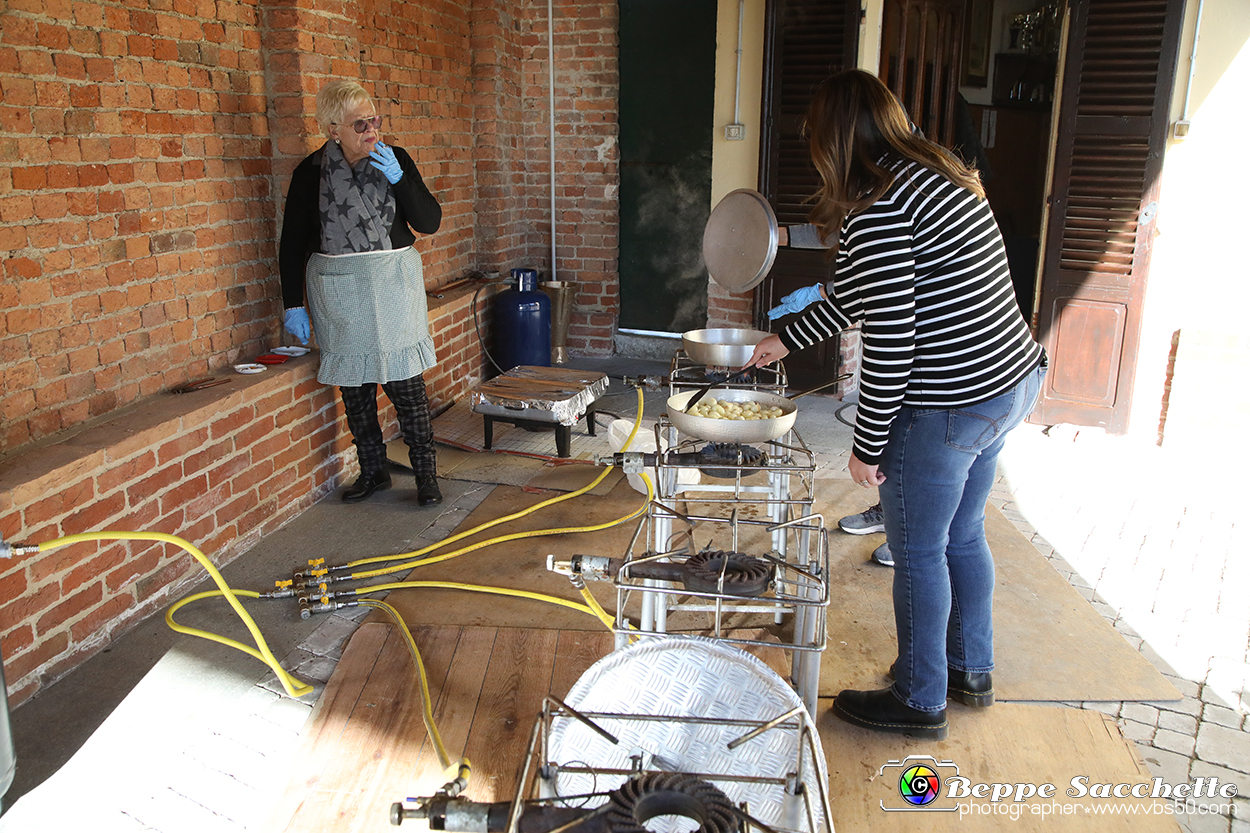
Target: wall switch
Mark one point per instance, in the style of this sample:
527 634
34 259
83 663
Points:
735 132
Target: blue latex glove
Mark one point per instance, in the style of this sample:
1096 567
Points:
296 322
796 301
384 160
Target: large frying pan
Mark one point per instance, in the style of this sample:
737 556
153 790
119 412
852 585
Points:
725 347
733 430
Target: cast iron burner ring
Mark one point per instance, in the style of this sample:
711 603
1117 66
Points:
641 799
726 454
745 575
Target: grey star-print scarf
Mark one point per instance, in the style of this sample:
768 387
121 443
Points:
357 205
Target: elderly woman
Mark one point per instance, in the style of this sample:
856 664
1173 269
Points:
949 367
347 236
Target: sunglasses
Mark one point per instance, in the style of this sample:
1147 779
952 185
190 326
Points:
361 125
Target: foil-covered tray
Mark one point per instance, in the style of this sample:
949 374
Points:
543 394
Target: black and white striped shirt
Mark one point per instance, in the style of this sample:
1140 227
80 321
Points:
924 269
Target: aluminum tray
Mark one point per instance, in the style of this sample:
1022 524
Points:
543 394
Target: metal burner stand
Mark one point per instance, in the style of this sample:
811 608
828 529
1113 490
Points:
799 540
539 805
809 811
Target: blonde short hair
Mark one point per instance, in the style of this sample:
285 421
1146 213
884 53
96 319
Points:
335 99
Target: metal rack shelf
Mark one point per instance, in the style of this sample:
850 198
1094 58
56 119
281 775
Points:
684 373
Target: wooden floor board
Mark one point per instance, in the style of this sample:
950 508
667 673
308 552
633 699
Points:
575 652
384 745
325 728
513 690
456 699
367 746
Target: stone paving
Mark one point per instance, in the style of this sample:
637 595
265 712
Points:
1164 560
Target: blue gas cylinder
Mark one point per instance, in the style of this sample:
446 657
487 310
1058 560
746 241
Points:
523 323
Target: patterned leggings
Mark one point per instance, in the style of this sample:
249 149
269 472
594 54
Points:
413 408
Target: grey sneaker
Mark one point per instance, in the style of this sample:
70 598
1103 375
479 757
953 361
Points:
866 522
882 555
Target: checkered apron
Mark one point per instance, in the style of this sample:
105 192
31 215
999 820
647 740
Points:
370 316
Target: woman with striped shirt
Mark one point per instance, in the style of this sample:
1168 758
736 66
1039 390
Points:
948 368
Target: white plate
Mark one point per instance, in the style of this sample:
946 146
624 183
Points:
289 351
248 369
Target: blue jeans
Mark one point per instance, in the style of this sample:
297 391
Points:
940 466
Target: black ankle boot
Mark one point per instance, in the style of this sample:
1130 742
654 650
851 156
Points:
427 491
367 484
972 688
881 711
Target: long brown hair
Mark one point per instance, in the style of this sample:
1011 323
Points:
855 128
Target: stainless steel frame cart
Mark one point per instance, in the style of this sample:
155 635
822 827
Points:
780 487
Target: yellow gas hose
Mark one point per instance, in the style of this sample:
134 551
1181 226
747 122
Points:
484 526
515 536
427 707
293 686
588 609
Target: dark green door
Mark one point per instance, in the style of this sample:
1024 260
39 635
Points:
668 57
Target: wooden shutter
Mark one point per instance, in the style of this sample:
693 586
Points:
921 56
805 41
1113 119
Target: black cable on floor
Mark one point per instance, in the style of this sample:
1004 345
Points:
477 327
838 414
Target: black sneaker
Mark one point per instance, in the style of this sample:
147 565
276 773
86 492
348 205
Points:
866 522
428 493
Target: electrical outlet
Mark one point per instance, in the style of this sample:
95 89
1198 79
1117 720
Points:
735 132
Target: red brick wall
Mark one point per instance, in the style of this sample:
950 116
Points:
726 309
136 211
500 235
150 151
144 157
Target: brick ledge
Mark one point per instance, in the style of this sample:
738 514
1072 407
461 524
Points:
59 461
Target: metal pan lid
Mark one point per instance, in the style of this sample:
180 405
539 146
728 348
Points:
740 240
